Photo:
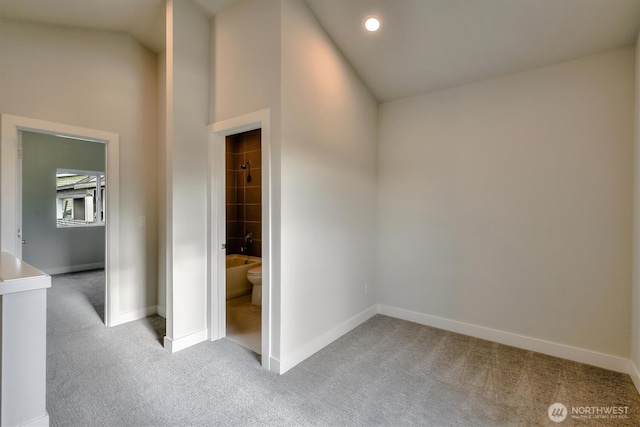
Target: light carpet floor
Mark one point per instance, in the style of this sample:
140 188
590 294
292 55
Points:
387 372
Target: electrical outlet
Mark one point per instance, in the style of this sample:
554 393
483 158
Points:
366 288
142 221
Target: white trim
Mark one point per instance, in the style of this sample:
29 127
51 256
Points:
634 373
79 171
176 345
161 311
589 357
133 315
217 217
10 217
168 167
216 266
274 365
318 343
73 268
39 422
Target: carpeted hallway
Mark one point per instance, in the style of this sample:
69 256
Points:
386 372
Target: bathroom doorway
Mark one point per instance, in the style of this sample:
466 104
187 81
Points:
243 200
239 241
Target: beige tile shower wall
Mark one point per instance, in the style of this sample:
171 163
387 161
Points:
233 246
244 207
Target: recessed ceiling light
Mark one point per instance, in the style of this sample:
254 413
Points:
372 24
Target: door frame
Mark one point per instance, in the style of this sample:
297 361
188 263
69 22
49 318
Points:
11 128
218 133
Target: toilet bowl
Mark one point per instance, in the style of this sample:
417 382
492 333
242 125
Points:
254 276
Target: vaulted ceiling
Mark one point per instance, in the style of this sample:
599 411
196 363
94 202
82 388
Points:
423 45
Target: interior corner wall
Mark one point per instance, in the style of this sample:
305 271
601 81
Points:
328 154
188 77
99 80
245 78
506 203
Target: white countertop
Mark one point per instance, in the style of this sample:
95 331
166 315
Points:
18 276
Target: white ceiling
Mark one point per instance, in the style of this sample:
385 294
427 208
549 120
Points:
424 45
144 19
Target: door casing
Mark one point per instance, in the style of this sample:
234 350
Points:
217 266
11 128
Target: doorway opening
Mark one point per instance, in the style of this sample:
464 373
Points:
243 196
12 131
63 211
241 232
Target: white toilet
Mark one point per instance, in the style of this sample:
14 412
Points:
254 276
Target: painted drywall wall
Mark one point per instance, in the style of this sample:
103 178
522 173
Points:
245 39
187 97
162 184
328 155
507 204
245 78
99 80
274 54
49 248
635 293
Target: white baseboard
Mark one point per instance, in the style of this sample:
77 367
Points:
161 311
73 268
606 361
289 361
178 344
634 373
130 316
274 365
40 422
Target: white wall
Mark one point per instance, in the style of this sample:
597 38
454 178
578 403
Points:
635 296
187 100
322 162
104 81
245 78
162 229
506 203
245 43
329 132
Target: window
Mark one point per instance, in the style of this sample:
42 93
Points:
80 198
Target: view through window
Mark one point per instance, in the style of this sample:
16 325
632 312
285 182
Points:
80 198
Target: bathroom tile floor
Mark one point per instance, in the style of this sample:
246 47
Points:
244 323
